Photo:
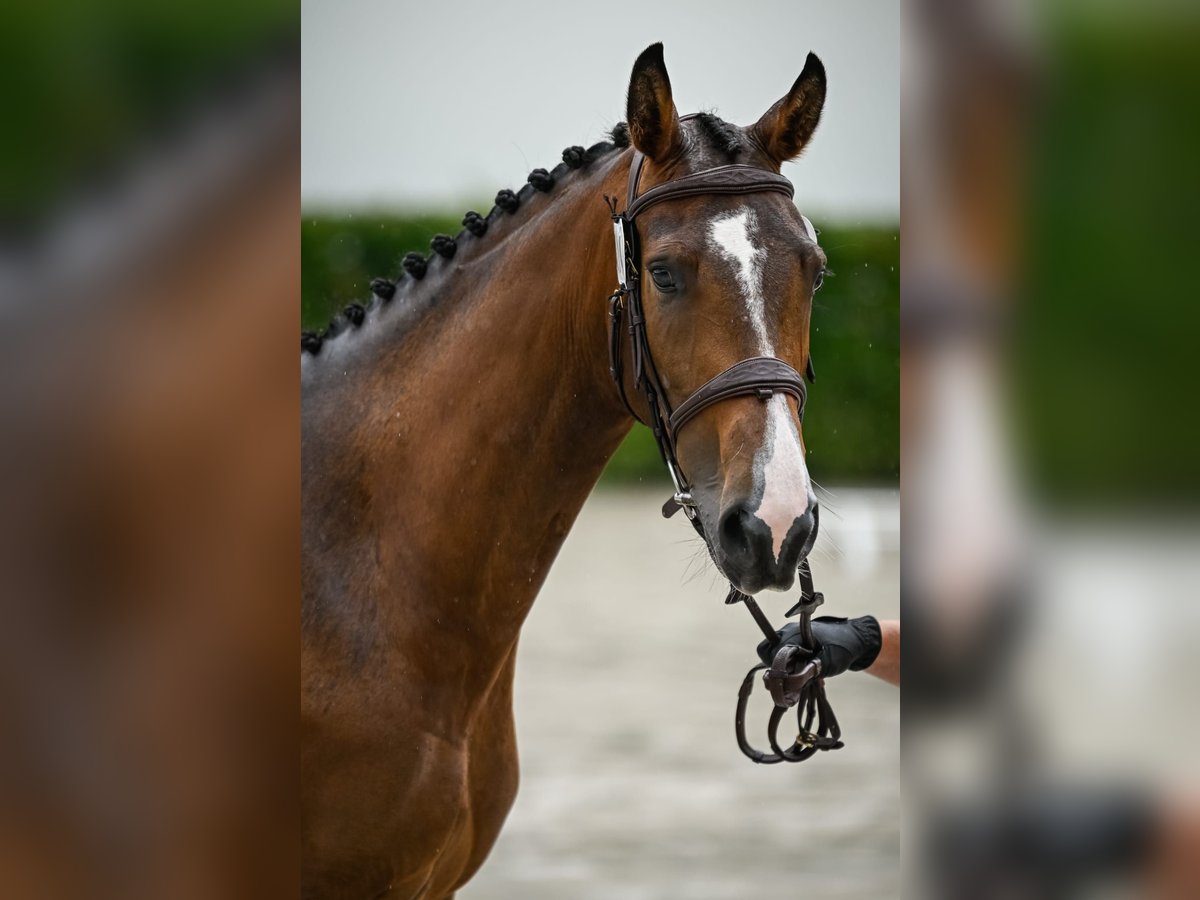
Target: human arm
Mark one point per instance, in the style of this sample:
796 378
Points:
887 662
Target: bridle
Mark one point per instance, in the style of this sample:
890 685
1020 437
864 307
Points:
794 676
760 376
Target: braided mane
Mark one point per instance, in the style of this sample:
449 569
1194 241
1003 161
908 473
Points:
508 202
724 137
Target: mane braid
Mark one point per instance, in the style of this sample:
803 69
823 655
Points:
725 137
383 288
414 265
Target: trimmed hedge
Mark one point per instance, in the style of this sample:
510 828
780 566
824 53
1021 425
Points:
94 83
852 426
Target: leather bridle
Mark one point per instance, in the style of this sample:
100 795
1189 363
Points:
794 677
759 376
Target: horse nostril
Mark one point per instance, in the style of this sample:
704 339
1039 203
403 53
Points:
745 544
735 537
801 536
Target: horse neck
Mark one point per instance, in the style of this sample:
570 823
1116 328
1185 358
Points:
493 418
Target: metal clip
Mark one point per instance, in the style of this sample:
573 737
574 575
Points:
622 253
615 307
806 604
683 496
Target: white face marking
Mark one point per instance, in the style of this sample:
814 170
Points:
730 235
784 477
779 469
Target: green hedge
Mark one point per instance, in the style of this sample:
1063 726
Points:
853 418
1106 331
90 83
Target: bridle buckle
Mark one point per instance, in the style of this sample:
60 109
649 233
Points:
682 498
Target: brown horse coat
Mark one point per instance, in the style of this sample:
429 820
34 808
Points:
448 444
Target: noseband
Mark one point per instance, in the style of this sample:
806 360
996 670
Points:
794 676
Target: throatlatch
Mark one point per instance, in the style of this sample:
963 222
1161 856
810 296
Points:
794 677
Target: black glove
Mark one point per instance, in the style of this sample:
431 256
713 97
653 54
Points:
842 643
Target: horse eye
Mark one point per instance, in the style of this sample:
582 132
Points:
662 279
820 281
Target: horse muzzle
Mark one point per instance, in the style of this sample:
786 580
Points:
755 559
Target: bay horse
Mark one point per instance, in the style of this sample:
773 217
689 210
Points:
452 431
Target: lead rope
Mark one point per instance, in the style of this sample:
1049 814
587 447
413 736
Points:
793 679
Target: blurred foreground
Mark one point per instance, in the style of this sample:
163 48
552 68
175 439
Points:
149 471
631 783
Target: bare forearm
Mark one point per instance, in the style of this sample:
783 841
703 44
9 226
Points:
887 663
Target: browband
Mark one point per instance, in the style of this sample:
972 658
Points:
730 179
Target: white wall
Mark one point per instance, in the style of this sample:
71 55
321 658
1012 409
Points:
429 104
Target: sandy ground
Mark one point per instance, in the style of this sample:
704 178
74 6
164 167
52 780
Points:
631 783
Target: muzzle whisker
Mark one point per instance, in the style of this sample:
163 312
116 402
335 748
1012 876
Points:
694 565
828 549
826 494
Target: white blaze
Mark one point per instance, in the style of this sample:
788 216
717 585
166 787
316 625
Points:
780 460
779 468
731 236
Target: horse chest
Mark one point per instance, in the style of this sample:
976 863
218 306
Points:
409 812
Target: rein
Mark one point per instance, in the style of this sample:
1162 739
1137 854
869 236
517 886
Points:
794 676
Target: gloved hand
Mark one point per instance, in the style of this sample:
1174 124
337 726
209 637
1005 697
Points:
842 643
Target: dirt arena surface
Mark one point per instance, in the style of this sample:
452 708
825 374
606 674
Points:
631 784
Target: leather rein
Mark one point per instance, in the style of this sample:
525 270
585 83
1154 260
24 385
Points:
794 676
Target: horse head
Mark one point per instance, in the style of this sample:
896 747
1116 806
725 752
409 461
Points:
727 277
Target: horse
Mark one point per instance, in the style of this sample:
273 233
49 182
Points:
452 429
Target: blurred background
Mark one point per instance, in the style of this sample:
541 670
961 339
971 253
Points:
1050 496
630 787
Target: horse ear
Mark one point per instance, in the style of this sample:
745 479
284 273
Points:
786 127
649 109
